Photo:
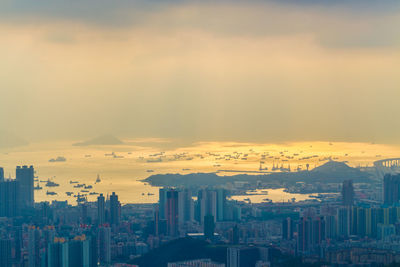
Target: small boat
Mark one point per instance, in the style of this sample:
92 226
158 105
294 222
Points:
69 193
150 170
88 187
73 182
98 180
37 187
150 194
51 183
51 193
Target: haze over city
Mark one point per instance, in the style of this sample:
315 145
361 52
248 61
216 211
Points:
148 133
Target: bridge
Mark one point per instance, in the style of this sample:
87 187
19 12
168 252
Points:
387 165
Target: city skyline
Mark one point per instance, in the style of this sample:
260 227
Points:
149 133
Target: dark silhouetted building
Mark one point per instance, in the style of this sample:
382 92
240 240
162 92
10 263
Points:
25 177
172 212
209 226
391 185
347 193
5 253
1 174
185 206
101 210
114 209
104 241
79 252
288 228
9 199
162 206
58 255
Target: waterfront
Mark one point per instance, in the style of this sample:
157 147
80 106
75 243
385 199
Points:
121 167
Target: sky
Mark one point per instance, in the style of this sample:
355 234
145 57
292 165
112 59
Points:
201 70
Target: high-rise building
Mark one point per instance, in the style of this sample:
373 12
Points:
233 257
311 232
9 199
58 253
391 189
114 209
162 204
221 204
288 227
25 177
347 193
185 206
34 247
79 252
206 204
209 226
5 253
101 210
343 222
104 241
172 212
1 174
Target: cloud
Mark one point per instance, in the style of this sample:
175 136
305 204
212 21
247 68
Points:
259 70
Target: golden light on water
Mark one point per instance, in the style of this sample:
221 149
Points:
121 167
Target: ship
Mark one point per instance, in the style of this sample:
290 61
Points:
37 187
51 183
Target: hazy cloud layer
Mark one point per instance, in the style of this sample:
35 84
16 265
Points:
258 70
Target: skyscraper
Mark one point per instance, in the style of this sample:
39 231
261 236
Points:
343 222
206 204
79 252
185 206
114 209
1 174
101 210
9 199
391 189
209 226
34 247
347 193
221 204
288 228
162 205
104 240
5 253
58 254
172 212
233 257
25 177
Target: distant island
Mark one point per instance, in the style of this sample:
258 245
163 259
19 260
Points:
101 140
58 159
330 172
